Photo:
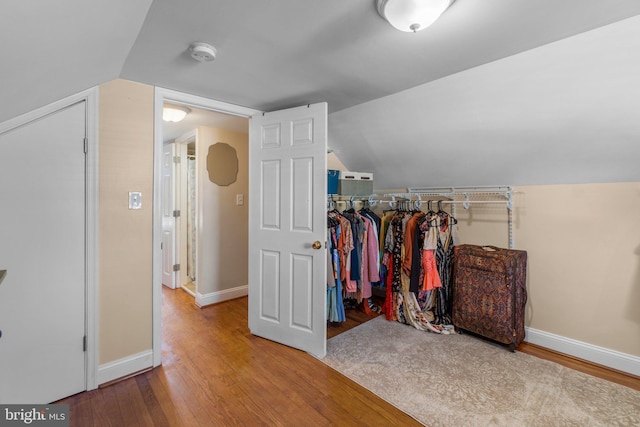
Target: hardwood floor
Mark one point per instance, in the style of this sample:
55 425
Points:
215 373
603 372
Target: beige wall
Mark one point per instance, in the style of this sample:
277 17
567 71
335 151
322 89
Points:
583 243
223 239
333 162
125 164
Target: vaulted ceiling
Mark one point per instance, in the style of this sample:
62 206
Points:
563 113
485 78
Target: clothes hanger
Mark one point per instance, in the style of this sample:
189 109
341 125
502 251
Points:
445 214
393 205
430 208
431 214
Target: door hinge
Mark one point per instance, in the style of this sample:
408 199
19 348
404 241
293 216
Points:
176 267
176 159
84 343
86 145
176 214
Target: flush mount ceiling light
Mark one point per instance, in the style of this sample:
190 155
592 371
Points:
202 52
174 113
412 15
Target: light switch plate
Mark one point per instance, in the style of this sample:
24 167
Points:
239 199
135 200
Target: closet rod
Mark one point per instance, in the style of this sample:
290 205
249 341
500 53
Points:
464 202
397 198
449 195
448 190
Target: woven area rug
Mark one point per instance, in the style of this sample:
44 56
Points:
461 380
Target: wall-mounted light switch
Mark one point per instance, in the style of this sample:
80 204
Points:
135 200
239 199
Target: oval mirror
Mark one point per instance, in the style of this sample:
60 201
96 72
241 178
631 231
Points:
222 164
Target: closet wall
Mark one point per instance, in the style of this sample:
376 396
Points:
583 245
584 261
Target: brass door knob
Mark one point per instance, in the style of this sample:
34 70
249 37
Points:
316 245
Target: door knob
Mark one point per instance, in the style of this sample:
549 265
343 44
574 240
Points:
316 245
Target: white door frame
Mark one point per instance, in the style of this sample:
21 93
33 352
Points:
161 96
169 251
180 193
90 97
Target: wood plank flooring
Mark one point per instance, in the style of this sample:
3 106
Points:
215 373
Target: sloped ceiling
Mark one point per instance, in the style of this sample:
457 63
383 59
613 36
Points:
567 112
53 49
476 96
274 54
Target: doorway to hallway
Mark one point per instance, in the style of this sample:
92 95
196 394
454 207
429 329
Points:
204 242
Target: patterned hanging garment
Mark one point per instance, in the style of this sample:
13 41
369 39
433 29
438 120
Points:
444 261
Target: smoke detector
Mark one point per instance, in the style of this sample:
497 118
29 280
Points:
202 52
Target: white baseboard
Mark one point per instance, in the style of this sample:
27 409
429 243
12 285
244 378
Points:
214 297
589 352
124 367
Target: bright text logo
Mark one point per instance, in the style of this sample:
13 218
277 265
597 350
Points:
37 415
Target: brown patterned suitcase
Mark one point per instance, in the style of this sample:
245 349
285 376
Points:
489 292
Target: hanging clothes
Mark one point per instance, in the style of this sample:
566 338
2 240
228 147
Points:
355 261
429 275
444 253
353 279
373 244
411 252
411 260
416 293
335 307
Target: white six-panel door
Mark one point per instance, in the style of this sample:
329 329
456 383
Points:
42 247
287 223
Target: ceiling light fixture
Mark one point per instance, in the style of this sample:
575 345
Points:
412 15
174 113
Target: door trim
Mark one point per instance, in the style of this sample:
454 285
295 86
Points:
180 193
90 97
162 95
